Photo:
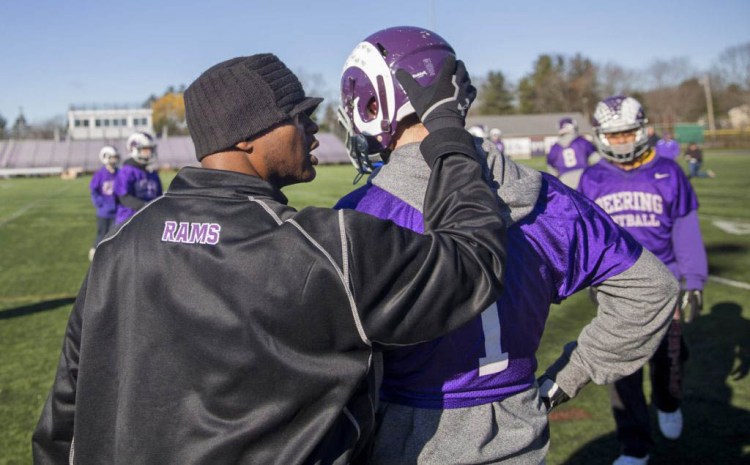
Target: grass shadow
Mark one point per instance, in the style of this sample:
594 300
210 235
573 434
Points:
715 431
38 307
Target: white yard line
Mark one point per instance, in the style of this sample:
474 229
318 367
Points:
730 282
18 213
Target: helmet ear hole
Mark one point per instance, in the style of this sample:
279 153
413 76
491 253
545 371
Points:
372 107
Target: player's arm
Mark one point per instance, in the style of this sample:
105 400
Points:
124 193
95 186
550 161
634 309
53 436
131 201
692 263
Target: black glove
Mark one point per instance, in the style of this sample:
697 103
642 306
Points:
444 103
551 393
691 304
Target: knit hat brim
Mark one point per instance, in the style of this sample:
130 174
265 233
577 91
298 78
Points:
308 105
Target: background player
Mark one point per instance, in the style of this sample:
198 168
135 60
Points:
137 182
667 147
495 138
102 188
471 396
571 154
651 198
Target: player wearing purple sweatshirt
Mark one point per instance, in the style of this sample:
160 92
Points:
102 188
137 182
569 156
667 147
651 198
472 396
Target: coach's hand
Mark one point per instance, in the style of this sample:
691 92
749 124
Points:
691 304
552 395
444 103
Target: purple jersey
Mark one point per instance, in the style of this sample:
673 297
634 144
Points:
645 201
668 149
566 243
573 157
135 181
102 188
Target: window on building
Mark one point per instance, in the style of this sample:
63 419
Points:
106 123
123 122
98 123
77 123
85 123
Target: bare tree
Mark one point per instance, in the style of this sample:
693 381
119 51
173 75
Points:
734 65
616 80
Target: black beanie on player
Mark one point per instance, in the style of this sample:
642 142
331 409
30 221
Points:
241 98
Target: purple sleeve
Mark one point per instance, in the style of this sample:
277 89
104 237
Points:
689 251
122 182
95 187
685 200
590 148
593 247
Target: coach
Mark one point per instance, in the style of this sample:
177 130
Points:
219 325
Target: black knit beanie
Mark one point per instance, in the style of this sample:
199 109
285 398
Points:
239 99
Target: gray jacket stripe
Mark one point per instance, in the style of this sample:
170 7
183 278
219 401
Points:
129 220
354 421
267 209
344 248
349 295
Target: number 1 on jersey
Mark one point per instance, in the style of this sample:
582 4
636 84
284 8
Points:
496 360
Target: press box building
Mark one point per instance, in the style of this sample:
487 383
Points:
112 123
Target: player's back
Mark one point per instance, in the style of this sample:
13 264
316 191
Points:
493 356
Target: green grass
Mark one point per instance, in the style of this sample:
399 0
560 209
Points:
46 229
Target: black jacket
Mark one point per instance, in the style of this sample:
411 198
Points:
219 325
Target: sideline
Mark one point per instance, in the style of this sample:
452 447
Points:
729 282
20 212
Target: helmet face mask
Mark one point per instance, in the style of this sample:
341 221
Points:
142 148
619 114
373 103
567 126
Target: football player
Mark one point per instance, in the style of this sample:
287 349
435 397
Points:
102 188
495 137
667 147
472 396
571 154
137 182
651 198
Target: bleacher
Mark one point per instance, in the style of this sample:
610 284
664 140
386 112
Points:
48 157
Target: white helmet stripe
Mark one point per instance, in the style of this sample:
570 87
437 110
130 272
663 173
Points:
367 58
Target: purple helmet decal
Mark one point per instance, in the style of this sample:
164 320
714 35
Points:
620 114
372 101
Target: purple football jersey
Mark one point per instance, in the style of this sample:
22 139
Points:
573 157
565 244
645 201
137 182
102 188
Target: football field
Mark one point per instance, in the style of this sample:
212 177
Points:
47 226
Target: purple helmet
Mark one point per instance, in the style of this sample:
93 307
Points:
567 125
620 114
372 101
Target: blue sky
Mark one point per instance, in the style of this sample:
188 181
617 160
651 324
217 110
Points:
57 53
